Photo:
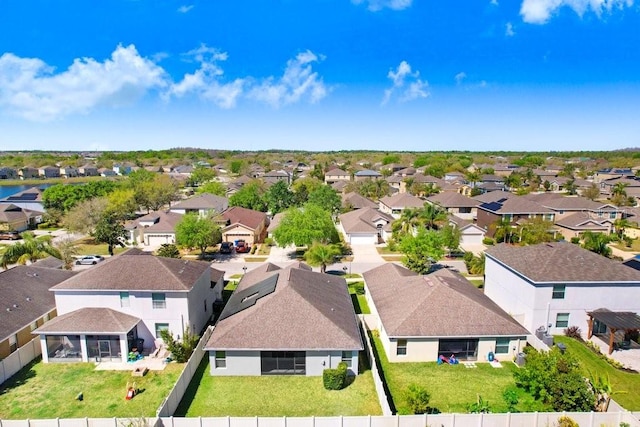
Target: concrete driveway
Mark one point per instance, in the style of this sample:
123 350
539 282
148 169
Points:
366 254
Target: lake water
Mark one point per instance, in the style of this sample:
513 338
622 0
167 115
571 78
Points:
8 190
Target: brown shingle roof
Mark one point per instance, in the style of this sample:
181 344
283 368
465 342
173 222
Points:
357 201
402 200
441 304
247 217
204 201
493 196
127 272
577 203
561 262
451 199
515 205
26 287
362 220
582 221
307 310
90 320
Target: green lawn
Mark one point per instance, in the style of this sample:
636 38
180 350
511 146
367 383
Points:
49 391
359 301
88 246
453 387
275 396
624 384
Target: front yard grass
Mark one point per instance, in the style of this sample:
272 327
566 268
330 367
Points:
453 387
49 390
625 385
275 396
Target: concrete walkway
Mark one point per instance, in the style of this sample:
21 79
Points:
622 254
629 358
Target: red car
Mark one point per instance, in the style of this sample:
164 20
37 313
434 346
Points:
241 246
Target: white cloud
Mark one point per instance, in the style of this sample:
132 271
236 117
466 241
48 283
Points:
31 89
406 86
185 8
376 5
508 30
298 82
460 77
494 2
539 11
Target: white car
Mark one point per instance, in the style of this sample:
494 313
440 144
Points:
89 260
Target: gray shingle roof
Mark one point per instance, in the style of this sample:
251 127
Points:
561 262
515 205
451 199
128 272
357 201
402 200
441 304
307 310
493 196
26 288
362 220
90 320
582 221
204 201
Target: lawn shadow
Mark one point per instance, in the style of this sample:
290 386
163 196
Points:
192 389
21 377
356 303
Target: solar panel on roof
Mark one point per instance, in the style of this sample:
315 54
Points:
246 298
25 196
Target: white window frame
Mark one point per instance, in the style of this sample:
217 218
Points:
158 300
561 323
401 350
125 299
220 361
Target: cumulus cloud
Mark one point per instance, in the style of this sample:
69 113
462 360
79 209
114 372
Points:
508 30
406 84
31 89
298 82
185 8
376 5
460 77
540 11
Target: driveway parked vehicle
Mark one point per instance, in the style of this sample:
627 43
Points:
241 246
226 248
10 235
89 260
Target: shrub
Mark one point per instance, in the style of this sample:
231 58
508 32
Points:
358 288
488 241
467 257
573 332
253 249
480 406
169 250
575 240
180 351
565 421
392 245
269 241
335 379
417 399
510 397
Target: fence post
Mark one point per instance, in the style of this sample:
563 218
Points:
508 419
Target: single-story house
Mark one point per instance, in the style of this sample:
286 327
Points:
394 205
354 200
285 321
470 233
240 223
423 317
154 229
365 226
15 218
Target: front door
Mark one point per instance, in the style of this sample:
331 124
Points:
104 348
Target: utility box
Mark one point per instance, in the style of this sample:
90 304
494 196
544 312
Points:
520 359
548 340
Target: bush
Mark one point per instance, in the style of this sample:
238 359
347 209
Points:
467 257
488 241
335 379
417 399
169 250
510 397
392 245
573 332
565 421
180 351
269 241
253 249
575 240
358 288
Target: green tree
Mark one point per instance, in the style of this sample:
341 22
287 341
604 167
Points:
407 224
122 202
250 196
84 217
213 187
180 350
417 398
432 215
422 250
278 197
503 230
304 226
168 250
476 265
30 249
451 237
192 231
597 242
591 193
154 194
111 231
570 187
62 197
322 255
535 231
67 248
326 197
235 166
201 175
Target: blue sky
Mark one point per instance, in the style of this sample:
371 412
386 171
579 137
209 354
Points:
320 74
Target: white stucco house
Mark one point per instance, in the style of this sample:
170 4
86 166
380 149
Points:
285 321
124 302
555 285
423 317
204 205
366 226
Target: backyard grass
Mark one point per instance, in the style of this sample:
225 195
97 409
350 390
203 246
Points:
384 250
625 385
49 391
453 387
275 396
359 301
88 246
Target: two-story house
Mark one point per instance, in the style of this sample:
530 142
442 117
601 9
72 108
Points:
456 204
511 210
394 205
205 204
336 174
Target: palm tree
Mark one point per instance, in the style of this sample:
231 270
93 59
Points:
476 265
67 248
322 255
472 178
620 225
597 242
619 189
503 230
406 224
432 215
31 249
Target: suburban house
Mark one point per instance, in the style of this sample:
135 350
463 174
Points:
576 215
553 285
290 321
124 302
8 173
513 210
365 174
423 317
106 172
240 223
123 168
470 233
612 173
68 172
273 177
26 303
394 205
365 226
30 199
28 173
354 200
14 218
455 203
49 172
88 170
154 229
205 204
336 175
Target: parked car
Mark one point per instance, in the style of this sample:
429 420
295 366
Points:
242 247
89 260
226 248
10 235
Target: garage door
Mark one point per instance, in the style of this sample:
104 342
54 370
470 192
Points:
363 239
471 239
159 239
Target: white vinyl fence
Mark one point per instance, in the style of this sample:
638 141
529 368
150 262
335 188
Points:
19 359
381 390
171 402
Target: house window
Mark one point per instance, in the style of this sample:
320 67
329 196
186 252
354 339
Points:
401 348
612 215
161 327
465 210
46 317
159 300
562 320
347 357
502 345
558 292
124 299
13 343
221 359
507 217
33 326
600 214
